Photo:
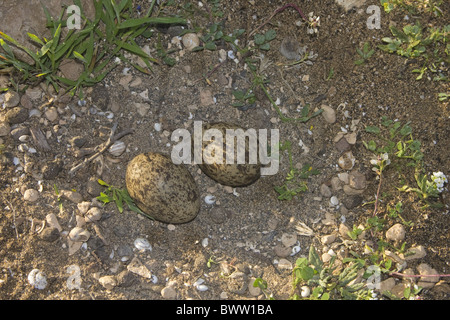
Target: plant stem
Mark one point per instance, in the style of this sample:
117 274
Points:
377 196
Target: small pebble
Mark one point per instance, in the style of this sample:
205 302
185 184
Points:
108 282
328 114
284 264
190 41
51 114
328 239
396 232
31 195
70 195
168 293
288 239
11 99
325 190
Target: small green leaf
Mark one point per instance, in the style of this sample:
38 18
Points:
259 39
210 46
373 129
103 183
270 35
265 46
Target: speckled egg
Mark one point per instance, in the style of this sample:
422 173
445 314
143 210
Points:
165 191
229 174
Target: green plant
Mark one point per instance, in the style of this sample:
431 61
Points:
118 196
443 96
96 45
365 53
325 283
263 40
413 6
262 284
430 46
427 189
60 205
294 181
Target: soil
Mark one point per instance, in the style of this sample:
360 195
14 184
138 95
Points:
243 227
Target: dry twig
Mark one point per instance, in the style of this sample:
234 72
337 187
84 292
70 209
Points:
101 148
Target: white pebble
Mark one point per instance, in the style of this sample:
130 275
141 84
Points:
205 242
157 126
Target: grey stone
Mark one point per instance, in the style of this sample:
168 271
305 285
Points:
325 190
12 99
357 180
16 115
4 129
353 201
342 145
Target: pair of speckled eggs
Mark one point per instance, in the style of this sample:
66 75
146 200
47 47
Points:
168 192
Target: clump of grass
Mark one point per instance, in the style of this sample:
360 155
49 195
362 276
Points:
295 180
96 45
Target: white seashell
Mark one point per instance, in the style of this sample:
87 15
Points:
334 201
24 138
142 244
109 115
34 113
154 279
205 242
157 126
198 282
295 250
78 234
210 199
37 279
117 148
202 287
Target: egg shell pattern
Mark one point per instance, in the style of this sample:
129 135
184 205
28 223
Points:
163 190
234 175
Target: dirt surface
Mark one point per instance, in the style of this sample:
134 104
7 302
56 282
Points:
244 225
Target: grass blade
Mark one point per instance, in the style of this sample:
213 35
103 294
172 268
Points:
131 23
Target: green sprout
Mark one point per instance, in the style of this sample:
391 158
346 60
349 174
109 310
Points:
119 196
365 53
